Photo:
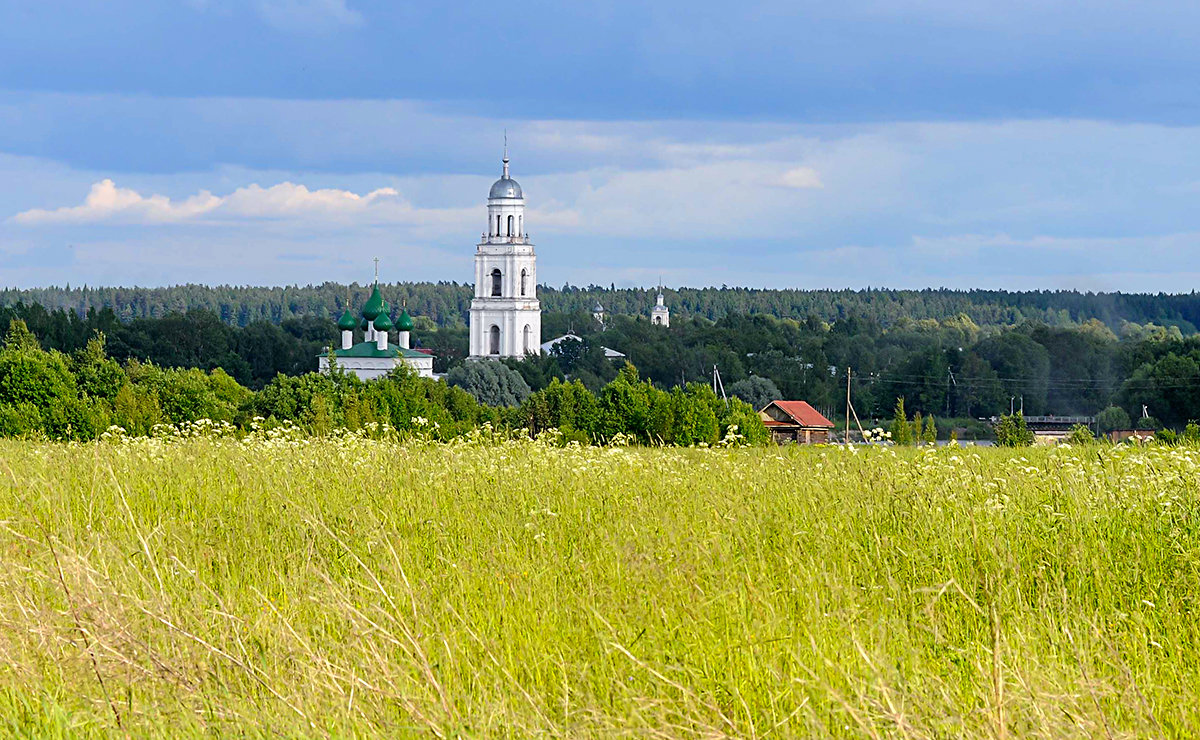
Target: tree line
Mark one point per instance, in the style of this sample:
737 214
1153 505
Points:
446 304
953 368
79 395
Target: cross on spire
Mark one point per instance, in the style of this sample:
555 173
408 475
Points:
377 271
506 153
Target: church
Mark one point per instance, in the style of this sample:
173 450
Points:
505 316
373 357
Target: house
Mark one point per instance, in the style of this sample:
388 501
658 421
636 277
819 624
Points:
1137 435
795 421
548 347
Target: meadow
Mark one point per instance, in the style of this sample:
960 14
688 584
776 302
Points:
277 585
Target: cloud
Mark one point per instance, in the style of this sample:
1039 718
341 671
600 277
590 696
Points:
107 202
308 15
799 178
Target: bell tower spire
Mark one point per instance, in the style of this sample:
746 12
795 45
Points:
505 154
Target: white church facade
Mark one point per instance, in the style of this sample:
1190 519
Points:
506 317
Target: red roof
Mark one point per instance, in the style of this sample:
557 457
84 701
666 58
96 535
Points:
805 415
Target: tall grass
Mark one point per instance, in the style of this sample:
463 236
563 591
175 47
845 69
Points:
349 587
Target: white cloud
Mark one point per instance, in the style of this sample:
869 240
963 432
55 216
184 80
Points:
308 15
799 178
107 202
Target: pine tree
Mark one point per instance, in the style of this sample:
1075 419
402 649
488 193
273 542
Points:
918 427
901 431
929 436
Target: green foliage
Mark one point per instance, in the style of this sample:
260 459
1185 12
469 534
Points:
756 391
1149 423
30 375
1113 417
19 338
929 435
1080 435
95 374
1012 431
20 420
491 383
1166 437
901 429
1191 433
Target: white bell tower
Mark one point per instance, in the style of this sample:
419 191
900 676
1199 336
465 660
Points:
506 317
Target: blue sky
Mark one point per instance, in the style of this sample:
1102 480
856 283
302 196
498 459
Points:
926 143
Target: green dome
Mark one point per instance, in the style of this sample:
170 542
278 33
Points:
405 322
347 322
383 323
364 324
374 305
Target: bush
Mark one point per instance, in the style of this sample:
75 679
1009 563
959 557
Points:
756 391
20 420
1080 435
1113 417
901 429
1012 431
1148 423
492 383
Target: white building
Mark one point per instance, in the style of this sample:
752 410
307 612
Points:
548 347
374 357
660 315
506 317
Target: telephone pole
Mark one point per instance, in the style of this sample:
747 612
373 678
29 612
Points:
847 404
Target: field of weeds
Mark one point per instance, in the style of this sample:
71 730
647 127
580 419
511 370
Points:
199 585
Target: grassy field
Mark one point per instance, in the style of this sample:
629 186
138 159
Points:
282 587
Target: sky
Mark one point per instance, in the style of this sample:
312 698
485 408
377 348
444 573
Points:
930 143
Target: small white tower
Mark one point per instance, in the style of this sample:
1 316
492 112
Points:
660 315
506 317
598 314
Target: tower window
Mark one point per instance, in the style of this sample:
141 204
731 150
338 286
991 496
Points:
528 339
497 226
510 226
520 226
496 282
524 278
494 341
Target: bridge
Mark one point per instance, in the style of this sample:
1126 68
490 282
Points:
1052 423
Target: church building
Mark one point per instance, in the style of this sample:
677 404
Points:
660 315
506 317
375 357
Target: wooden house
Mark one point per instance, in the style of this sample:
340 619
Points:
796 421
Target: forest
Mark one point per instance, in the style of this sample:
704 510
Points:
446 304
954 366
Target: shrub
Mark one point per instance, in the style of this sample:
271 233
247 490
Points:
756 391
1148 423
1080 435
20 420
1012 431
1113 417
901 430
492 383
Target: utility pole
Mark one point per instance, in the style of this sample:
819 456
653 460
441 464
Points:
1011 409
1022 404
847 404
